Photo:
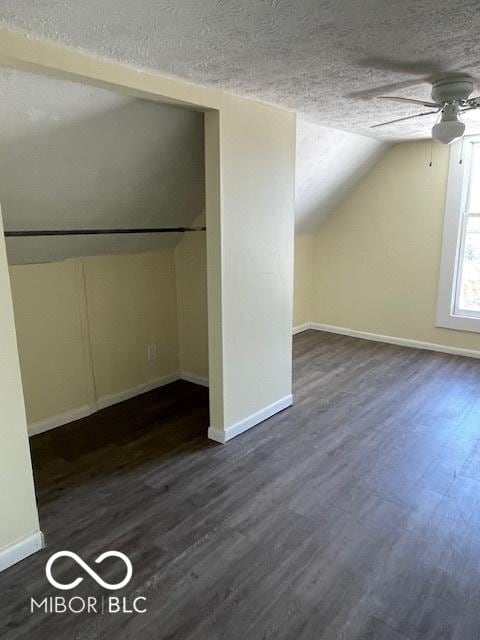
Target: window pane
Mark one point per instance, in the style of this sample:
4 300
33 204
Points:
474 186
469 294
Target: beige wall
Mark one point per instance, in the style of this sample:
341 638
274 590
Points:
257 151
302 284
192 312
131 304
18 510
84 325
48 318
250 169
377 257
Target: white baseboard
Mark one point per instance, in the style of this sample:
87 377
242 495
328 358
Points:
20 550
402 342
57 421
223 436
107 401
301 327
193 377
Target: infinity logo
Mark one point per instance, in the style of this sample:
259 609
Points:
87 569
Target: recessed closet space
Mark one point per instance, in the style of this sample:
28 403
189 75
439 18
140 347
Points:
103 205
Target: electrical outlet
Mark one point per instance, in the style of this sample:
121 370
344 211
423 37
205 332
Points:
151 352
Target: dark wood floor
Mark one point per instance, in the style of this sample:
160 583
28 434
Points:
353 515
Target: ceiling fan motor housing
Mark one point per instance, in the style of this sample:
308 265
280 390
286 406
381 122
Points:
452 88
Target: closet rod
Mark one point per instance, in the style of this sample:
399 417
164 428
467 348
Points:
96 232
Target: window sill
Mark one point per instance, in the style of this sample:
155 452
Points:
458 323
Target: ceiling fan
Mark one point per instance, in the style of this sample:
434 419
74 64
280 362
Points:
450 97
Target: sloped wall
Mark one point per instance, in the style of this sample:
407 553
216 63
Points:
75 156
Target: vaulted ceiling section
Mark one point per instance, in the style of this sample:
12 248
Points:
73 155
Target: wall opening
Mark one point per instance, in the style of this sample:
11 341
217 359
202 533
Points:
112 328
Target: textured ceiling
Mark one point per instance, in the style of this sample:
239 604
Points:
311 56
329 163
73 156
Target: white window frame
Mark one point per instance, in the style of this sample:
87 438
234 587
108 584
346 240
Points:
456 216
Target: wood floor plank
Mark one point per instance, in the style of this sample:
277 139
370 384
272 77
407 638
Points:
354 515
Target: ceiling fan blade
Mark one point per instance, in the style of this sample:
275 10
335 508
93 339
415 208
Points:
423 103
473 102
395 86
424 71
470 108
422 68
417 115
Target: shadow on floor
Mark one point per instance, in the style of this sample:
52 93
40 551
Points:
168 422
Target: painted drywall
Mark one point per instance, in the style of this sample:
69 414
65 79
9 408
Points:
76 156
192 309
250 162
329 163
109 160
19 518
48 301
377 257
126 292
303 279
321 58
84 327
257 151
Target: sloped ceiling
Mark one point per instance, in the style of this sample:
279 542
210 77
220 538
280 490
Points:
329 163
73 156
325 59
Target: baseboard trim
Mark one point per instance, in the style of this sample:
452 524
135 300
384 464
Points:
193 377
301 327
41 426
224 436
20 550
108 400
402 342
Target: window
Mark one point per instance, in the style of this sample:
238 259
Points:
459 286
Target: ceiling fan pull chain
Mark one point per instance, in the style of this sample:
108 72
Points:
461 151
431 153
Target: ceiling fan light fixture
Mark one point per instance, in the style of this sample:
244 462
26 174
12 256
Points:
447 131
